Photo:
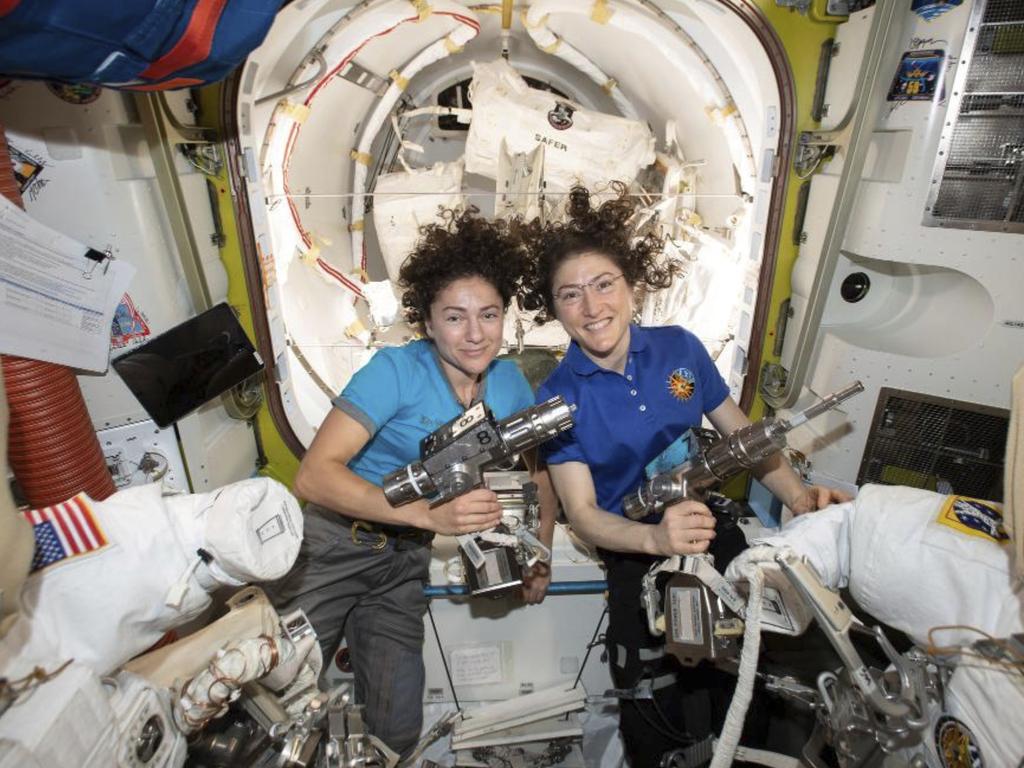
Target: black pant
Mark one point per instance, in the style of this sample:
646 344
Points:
689 703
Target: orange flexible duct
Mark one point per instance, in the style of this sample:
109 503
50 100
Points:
53 448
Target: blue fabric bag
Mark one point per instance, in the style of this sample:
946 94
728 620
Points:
137 44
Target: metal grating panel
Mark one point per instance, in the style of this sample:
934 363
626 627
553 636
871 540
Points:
930 442
978 180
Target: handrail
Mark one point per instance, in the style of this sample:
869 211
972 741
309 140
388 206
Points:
881 56
595 587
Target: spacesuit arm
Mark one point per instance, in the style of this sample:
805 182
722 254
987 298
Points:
325 479
775 471
686 528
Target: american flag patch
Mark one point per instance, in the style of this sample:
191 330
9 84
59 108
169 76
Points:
64 531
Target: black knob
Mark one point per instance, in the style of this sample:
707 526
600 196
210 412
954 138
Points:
855 287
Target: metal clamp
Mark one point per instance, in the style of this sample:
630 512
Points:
377 546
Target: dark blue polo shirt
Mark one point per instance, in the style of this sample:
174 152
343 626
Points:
623 421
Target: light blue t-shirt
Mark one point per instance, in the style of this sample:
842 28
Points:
402 395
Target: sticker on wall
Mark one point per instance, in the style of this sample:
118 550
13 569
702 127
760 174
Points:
932 9
918 76
74 93
129 325
28 169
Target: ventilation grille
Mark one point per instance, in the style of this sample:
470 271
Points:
978 182
943 445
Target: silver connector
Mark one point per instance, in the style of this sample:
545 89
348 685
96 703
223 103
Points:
407 484
532 426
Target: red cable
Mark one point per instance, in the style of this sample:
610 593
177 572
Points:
294 134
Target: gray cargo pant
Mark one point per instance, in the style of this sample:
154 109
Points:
375 598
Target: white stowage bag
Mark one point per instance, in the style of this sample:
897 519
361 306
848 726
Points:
407 200
109 604
581 146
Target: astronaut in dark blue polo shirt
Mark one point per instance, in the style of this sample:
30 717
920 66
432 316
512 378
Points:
636 390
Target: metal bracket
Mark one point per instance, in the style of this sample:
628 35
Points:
359 75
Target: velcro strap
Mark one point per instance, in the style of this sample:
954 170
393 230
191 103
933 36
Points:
664 681
701 567
692 756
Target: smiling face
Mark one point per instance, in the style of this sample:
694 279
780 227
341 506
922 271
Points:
465 324
598 322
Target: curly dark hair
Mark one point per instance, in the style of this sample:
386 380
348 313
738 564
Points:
605 230
462 245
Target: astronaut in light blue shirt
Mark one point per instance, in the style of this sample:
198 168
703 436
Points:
363 564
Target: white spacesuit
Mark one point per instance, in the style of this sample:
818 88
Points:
109 579
941 569
146 575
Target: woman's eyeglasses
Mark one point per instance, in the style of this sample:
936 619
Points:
568 295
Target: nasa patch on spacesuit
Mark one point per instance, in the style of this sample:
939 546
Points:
973 517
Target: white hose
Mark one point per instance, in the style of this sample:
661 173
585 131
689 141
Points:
725 749
441 48
549 42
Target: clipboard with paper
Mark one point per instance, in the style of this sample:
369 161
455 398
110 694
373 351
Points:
57 296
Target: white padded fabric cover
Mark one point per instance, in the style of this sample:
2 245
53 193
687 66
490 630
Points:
253 529
407 200
104 607
581 146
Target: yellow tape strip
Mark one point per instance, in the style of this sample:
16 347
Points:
422 7
719 116
553 47
451 46
355 329
364 276
524 17
356 226
297 112
401 82
361 157
601 13
311 254
610 85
